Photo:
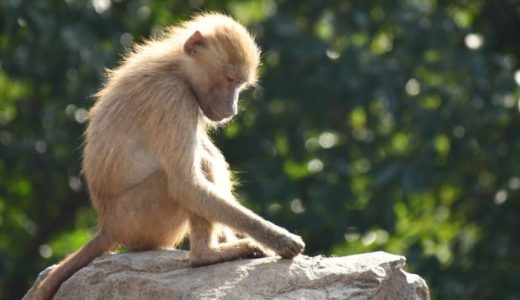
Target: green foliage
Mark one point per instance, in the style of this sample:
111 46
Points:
378 125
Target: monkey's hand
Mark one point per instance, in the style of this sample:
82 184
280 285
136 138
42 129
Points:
287 245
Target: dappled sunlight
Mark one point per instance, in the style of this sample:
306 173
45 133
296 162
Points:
473 41
377 125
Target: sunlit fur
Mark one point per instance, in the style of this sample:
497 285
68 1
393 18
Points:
152 171
228 44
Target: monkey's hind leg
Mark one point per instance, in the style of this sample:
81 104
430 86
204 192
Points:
205 249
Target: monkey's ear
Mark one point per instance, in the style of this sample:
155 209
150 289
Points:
191 44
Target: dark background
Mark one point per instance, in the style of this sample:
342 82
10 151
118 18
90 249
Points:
378 125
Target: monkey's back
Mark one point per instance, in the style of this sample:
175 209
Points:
135 112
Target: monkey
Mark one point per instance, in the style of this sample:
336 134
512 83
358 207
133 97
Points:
152 171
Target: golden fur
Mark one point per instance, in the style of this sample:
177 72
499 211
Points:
152 171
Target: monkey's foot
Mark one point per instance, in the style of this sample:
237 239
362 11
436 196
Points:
258 250
244 248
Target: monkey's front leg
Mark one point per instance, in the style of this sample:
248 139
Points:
202 199
218 174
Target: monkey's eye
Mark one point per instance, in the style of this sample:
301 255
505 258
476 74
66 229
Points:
230 79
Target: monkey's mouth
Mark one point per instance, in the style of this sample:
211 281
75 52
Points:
221 116
222 112
218 115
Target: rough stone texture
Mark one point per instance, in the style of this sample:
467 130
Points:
167 275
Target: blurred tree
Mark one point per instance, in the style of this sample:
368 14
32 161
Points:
386 125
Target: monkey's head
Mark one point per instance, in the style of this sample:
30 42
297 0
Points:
221 59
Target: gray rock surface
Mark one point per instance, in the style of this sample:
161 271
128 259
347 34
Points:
167 275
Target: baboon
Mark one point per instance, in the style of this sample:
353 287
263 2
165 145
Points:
152 171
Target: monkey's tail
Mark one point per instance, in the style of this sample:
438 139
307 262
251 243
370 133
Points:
98 245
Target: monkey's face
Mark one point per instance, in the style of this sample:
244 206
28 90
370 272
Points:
219 67
220 100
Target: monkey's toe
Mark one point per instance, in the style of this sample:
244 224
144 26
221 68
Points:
257 251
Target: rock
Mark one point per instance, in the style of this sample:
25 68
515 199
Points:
167 275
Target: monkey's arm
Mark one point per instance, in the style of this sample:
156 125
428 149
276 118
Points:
214 164
208 145
202 199
188 185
